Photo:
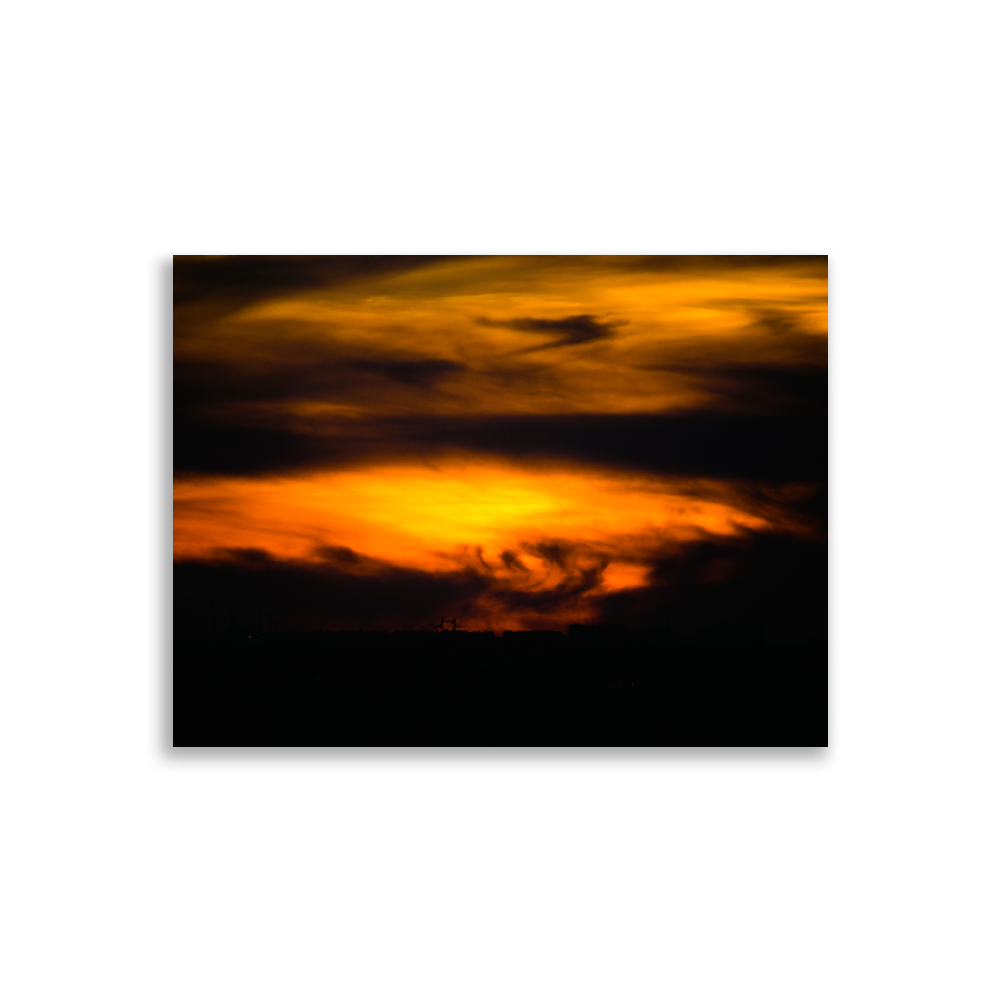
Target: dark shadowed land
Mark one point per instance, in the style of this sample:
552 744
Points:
595 687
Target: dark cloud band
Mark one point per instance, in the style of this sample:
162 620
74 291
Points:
775 584
734 446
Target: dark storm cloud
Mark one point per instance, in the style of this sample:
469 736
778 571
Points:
346 589
773 584
301 372
776 367
773 389
237 449
240 279
694 443
423 374
342 590
790 447
562 332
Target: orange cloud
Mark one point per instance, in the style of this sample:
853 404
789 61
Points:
430 517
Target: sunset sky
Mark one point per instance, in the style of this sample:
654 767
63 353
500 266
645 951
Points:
521 442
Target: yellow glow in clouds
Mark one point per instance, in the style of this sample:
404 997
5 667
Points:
431 517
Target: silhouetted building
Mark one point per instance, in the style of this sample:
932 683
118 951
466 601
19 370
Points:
578 631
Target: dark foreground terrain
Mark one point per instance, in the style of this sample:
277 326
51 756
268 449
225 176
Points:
595 688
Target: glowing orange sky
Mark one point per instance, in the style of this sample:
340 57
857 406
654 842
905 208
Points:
426 517
482 336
